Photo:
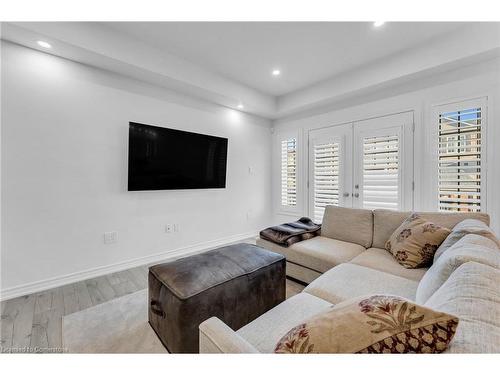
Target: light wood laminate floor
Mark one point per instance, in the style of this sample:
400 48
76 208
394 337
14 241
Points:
33 323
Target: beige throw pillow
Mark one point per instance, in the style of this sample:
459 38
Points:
374 324
415 241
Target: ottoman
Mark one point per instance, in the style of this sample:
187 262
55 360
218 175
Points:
236 283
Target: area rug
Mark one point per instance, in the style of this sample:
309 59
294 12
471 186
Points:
118 326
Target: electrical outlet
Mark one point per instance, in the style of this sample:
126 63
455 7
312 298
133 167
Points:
169 228
110 237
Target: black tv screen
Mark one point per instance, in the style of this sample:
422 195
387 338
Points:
167 159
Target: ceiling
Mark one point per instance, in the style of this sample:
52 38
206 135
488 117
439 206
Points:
305 52
230 64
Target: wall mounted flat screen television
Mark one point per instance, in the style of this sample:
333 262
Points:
169 159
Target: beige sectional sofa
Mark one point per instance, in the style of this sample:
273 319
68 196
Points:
348 260
356 236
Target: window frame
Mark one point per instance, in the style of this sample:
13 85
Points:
342 134
394 131
289 148
454 106
403 123
280 209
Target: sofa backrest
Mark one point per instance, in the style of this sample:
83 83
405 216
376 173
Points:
385 222
470 248
471 293
348 224
373 228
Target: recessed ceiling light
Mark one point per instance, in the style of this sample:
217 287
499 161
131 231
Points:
276 72
43 44
378 23
240 106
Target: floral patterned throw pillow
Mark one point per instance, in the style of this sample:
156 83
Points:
375 324
416 240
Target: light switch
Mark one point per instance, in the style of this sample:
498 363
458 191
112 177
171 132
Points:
110 237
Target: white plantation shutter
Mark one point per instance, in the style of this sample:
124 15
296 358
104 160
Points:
381 172
289 172
326 165
459 160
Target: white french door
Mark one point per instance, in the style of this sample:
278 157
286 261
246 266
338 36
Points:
330 161
383 162
363 164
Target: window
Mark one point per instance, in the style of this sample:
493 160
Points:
326 166
381 172
289 172
459 160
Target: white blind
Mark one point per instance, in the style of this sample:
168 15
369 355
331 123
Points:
325 177
459 168
289 172
380 172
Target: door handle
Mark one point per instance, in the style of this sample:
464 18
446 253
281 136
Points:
156 308
346 194
356 195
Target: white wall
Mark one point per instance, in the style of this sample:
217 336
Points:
64 171
64 164
475 81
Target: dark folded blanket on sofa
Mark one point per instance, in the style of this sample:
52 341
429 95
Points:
290 233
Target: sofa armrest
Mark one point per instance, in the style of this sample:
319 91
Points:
217 337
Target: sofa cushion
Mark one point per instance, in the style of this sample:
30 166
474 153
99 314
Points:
382 260
309 259
415 241
472 247
472 294
469 226
271 246
348 224
347 281
265 331
373 324
322 253
385 222
301 273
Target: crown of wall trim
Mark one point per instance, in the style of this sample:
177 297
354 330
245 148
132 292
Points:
95 45
25 289
98 46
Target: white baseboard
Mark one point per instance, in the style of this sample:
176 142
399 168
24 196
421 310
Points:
54 282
